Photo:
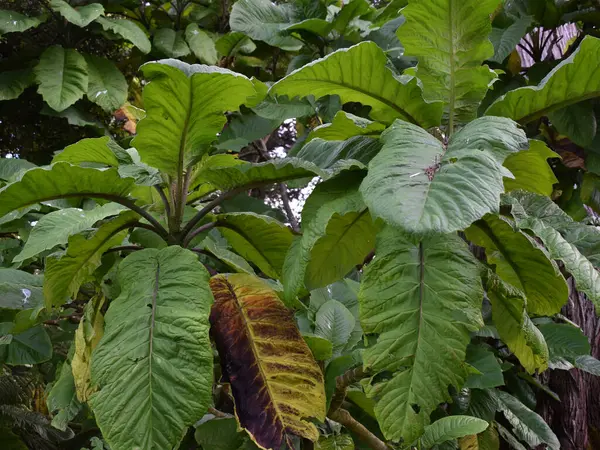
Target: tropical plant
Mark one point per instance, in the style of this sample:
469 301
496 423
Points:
417 303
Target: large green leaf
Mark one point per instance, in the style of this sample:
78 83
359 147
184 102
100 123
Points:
444 189
65 274
343 73
153 366
231 43
484 360
185 106
345 126
62 399
332 154
171 43
531 170
515 327
575 79
62 76
81 16
11 168
505 40
450 40
451 427
32 346
90 150
577 121
527 425
14 22
220 251
243 129
538 214
265 21
128 30
62 180
223 434
107 87
201 44
423 299
13 83
522 263
260 239
55 228
335 323
20 290
566 343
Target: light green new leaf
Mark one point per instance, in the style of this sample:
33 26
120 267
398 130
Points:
515 327
534 212
505 40
55 228
62 76
451 427
531 170
522 263
65 274
128 30
14 22
156 334
575 79
231 43
13 83
443 189
360 74
423 299
171 43
450 40
32 346
345 126
265 21
335 323
527 425
201 44
185 110
81 16
62 180
90 150
261 240
107 87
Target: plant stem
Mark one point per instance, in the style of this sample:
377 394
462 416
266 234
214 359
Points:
164 199
142 212
190 236
123 248
343 417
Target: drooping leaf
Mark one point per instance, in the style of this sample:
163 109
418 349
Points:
419 166
62 76
423 299
65 274
201 44
522 263
107 87
171 43
274 395
81 16
14 22
185 106
260 239
531 170
451 427
156 334
343 73
14 82
450 40
573 80
345 126
505 40
527 425
486 363
509 438
11 168
335 323
264 21
74 116
62 400
565 344
55 228
128 30
231 43
32 346
62 180
515 327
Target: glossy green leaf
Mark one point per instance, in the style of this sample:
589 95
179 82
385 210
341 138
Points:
575 79
62 76
505 40
450 40
81 16
107 87
522 263
343 73
451 427
335 323
484 360
32 346
201 44
13 83
171 43
156 332
264 21
128 30
185 106
422 299
14 22
55 228
531 170
65 274
419 166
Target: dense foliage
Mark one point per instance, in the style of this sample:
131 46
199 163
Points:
148 302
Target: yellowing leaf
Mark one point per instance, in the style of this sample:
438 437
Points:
275 381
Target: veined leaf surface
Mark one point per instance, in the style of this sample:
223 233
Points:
276 383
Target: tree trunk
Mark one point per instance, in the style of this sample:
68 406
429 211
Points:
576 419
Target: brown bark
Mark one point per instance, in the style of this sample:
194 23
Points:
576 419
